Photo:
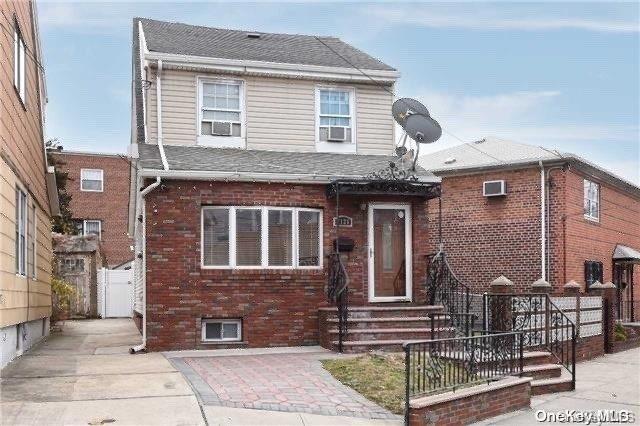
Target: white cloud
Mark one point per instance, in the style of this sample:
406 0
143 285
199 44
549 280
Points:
502 17
517 116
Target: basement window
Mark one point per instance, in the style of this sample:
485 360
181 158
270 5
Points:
216 330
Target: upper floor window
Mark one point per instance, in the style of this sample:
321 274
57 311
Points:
221 118
91 180
19 76
335 119
591 200
21 232
92 227
261 237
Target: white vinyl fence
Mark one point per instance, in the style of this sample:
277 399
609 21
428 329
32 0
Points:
115 293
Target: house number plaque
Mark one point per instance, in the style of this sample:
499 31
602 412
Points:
343 221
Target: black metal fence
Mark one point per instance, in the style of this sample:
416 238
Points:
544 326
440 365
338 293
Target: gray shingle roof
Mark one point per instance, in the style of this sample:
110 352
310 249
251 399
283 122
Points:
183 39
198 158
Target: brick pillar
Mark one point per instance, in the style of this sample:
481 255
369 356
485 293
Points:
572 289
501 313
609 311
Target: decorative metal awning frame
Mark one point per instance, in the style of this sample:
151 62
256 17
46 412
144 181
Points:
392 180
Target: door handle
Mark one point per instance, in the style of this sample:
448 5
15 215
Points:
370 251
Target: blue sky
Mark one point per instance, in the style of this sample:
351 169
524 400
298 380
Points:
560 75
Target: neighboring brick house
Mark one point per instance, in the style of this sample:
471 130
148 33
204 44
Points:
99 188
247 146
591 217
28 196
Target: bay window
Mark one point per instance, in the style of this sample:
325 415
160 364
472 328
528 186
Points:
261 237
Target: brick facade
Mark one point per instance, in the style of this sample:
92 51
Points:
278 307
487 237
109 206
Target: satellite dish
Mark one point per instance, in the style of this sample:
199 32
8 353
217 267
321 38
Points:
414 118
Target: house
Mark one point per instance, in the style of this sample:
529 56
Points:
265 183
99 188
527 212
28 195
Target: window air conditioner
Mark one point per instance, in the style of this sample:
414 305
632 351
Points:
494 188
337 134
221 128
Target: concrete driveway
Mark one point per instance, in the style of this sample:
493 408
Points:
611 382
84 375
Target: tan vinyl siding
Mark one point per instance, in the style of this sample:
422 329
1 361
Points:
280 113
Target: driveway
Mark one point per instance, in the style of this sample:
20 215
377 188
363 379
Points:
611 382
84 375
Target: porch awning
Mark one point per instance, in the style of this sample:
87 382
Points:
626 253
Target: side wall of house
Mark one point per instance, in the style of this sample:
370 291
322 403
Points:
590 240
280 113
25 301
110 206
278 307
485 237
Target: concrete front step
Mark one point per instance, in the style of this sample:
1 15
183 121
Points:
542 371
386 311
383 334
552 385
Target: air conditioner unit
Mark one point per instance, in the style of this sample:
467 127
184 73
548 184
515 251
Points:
494 188
337 134
221 128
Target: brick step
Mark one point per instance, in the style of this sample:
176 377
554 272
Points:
395 333
552 385
391 322
532 358
542 371
359 346
386 311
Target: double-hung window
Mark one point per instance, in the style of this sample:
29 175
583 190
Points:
261 237
592 272
92 227
591 200
221 116
21 232
335 119
19 75
91 180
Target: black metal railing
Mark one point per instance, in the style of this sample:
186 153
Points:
337 292
544 326
441 324
434 366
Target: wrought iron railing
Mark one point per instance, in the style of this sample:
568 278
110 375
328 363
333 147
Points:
543 324
444 288
440 324
434 366
337 292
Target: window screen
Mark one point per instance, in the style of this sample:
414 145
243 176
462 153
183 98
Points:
280 238
308 238
248 237
215 237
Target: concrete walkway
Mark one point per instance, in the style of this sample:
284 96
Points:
611 382
84 375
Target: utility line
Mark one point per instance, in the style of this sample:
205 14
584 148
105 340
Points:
28 51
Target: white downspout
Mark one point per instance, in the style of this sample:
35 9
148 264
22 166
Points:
543 222
142 204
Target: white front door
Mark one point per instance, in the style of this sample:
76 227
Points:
389 252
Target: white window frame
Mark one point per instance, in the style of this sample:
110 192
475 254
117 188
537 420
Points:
341 147
205 321
84 227
101 180
264 238
221 141
22 221
19 74
34 247
587 214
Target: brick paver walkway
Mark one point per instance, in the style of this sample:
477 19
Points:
282 382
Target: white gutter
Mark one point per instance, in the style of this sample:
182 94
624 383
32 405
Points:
145 191
543 221
275 68
308 178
